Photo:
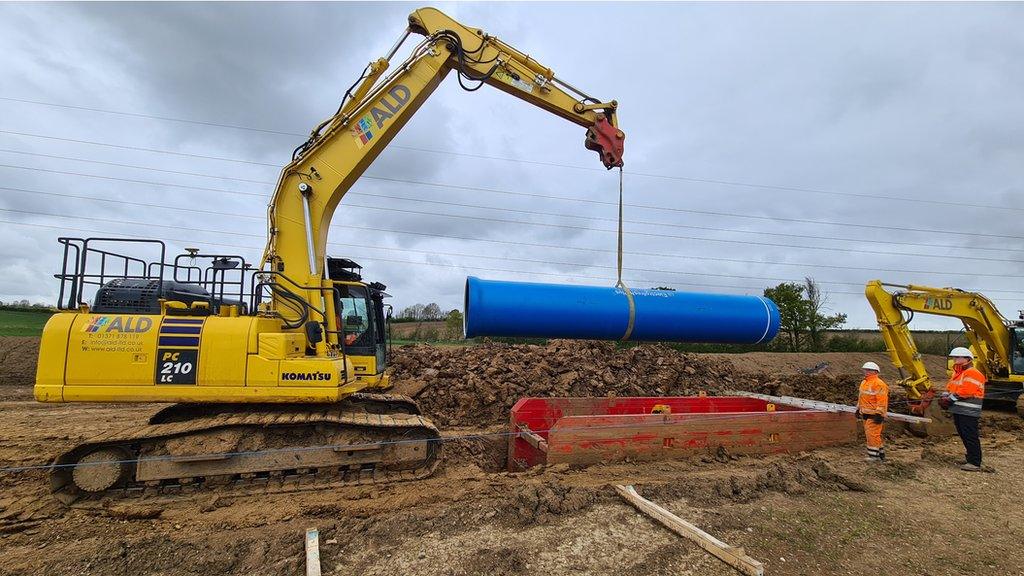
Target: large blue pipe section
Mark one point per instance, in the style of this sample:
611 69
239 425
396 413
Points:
530 310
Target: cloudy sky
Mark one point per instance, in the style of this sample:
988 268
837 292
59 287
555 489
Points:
765 142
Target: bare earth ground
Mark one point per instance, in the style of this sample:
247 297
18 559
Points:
837 362
825 512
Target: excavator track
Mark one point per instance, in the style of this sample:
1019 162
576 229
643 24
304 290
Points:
239 449
361 401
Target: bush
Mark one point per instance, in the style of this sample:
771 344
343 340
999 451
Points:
851 343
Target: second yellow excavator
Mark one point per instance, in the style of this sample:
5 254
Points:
997 343
269 367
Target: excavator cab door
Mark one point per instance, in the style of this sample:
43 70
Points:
363 325
381 326
1017 350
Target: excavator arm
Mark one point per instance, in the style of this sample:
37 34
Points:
341 148
985 328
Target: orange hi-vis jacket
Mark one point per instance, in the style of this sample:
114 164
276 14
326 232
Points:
968 384
874 396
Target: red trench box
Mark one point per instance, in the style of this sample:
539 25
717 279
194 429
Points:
583 431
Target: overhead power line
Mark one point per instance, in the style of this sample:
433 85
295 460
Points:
858 225
378 229
251 235
151 116
523 222
139 149
720 182
563 215
518 272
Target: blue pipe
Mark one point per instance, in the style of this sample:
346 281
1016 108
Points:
531 310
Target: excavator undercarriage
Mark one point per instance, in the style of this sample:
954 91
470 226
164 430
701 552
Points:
367 438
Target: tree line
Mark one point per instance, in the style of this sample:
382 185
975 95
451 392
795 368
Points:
423 313
803 317
25 305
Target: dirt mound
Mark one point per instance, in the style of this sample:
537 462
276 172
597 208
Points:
787 476
841 389
477 385
539 503
834 363
18 356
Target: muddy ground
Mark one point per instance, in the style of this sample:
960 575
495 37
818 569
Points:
824 512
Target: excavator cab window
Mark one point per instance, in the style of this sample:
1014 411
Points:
1017 344
357 319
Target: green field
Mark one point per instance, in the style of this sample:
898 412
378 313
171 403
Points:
23 322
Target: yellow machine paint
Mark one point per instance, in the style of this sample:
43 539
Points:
997 343
186 359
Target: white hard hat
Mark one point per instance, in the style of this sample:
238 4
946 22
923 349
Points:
871 366
960 352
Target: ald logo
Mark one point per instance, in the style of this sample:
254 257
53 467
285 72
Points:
367 126
125 324
938 304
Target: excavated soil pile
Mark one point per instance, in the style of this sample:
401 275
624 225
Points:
478 385
18 359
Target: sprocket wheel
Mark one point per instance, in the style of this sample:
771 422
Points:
101 470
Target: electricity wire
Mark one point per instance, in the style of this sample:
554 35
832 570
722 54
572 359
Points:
732 183
524 222
434 252
858 225
496 191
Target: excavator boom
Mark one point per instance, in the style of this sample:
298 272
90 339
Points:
342 147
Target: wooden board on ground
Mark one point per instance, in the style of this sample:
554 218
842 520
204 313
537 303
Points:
312 552
731 555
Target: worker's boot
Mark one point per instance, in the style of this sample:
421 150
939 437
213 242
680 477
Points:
970 468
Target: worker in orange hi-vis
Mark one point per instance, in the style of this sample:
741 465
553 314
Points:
872 405
964 397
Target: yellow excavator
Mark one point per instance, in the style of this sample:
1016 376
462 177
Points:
274 371
997 343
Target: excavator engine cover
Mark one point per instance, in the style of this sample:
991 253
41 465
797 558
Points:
142 295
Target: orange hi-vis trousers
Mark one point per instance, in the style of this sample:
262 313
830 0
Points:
873 434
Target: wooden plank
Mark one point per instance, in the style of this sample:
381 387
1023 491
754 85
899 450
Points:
731 555
827 406
312 552
532 439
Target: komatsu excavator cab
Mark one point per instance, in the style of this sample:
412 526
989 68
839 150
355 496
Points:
364 318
